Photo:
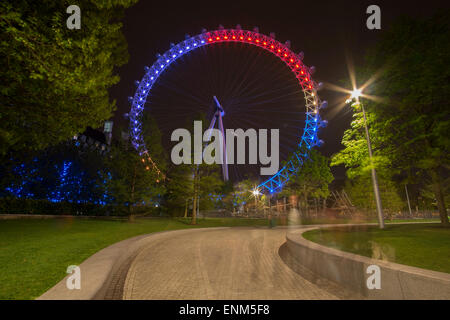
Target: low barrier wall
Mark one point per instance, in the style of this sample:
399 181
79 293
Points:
350 270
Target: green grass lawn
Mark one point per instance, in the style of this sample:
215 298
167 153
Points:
420 245
34 253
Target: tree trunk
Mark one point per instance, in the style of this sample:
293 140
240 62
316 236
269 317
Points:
194 209
270 205
305 196
437 189
133 182
185 209
194 203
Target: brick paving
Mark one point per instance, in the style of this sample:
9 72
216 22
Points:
235 263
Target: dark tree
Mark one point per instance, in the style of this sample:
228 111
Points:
414 120
54 81
409 121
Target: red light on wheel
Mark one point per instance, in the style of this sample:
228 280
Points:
302 72
249 39
271 47
210 39
297 66
225 37
306 79
310 87
279 50
257 41
264 43
292 60
242 38
285 54
234 37
217 38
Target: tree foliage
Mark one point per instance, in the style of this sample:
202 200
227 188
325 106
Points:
191 181
62 173
130 178
312 179
77 174
360 191
180 188
410 121
54 81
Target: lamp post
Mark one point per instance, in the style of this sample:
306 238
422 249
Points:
407 198
256 193
356 93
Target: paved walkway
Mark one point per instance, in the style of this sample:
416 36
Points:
235 263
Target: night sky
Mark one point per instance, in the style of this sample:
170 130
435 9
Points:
326 31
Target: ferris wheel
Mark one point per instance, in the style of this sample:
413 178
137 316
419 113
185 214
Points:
294 61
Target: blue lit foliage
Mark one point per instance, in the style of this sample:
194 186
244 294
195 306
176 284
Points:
216 197
59 174
211 201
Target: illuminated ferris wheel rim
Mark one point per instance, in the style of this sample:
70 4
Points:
282 51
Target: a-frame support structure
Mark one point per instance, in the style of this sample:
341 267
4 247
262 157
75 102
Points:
218 114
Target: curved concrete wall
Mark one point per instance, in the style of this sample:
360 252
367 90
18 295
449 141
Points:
349 270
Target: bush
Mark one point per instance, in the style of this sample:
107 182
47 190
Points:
33 206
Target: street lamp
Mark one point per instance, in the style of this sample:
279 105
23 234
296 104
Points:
256 193
356 94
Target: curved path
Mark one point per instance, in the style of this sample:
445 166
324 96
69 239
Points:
232 263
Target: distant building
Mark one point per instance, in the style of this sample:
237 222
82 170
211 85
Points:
107 130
